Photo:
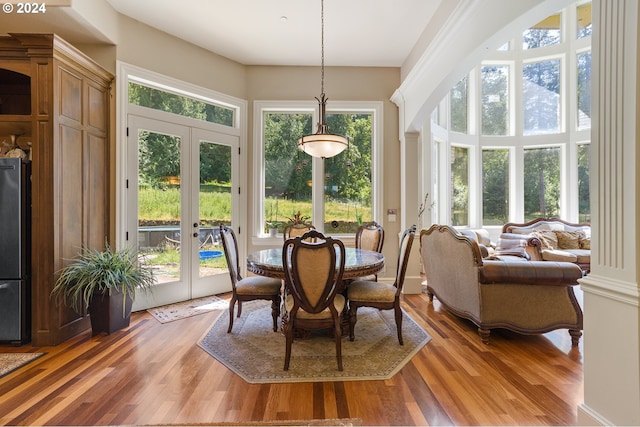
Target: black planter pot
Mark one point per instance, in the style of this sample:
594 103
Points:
105 312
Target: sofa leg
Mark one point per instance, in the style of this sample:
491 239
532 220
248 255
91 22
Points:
575 336
484 335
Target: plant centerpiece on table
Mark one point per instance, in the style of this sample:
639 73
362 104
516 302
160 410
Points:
105 282
299 219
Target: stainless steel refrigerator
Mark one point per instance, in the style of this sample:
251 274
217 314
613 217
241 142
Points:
15 251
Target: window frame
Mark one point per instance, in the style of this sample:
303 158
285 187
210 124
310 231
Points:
375 108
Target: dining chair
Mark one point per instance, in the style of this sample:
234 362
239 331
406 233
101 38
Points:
313 266
383 296
370 236
294 230
248 288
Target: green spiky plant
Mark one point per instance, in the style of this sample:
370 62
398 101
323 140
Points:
102 272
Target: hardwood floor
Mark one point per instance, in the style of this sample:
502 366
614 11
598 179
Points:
153 373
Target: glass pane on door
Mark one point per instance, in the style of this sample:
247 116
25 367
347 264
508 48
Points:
159 203
214 206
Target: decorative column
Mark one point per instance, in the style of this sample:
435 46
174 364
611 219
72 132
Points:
409 203
611 293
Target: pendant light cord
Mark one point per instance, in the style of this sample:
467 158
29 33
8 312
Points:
322 48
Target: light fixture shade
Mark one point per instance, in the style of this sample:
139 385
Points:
323 144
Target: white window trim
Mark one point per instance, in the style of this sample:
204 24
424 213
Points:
128 72
336 107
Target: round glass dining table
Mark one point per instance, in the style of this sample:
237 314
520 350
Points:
358 263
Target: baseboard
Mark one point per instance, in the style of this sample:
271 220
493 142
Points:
589 417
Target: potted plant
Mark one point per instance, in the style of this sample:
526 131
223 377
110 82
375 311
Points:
105 282
272 226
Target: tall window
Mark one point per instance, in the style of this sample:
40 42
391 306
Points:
495 187
459 106
460 186
541 97
287 171
583 111
495 99
584 194
336 194
541 182
347 176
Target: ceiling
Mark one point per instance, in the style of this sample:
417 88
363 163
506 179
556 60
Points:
288 32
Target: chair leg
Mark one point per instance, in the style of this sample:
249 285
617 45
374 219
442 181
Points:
275 311
352 321
239 308
575 336
288 334
232 304
398 313
338 335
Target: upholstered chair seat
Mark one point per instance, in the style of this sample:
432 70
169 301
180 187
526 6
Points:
247 288
368 293
339 303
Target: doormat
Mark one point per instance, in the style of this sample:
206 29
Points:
181 310
9 362
256 353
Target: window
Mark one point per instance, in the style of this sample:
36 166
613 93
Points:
460 186
459 109
495 99
347 176
518 147
584 203
495 186
583 111
544 33
287 171
584 20
541 182
337 194
157 99
541 97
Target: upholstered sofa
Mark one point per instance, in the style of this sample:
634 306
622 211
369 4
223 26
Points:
552 240
528 297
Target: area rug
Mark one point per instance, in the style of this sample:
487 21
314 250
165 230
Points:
9 362
180 310
256 353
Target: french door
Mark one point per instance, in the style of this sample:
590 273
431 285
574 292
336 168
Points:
179 191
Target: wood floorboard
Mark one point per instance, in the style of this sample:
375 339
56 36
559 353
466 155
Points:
153 373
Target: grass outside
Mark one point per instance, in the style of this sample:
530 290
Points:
157 206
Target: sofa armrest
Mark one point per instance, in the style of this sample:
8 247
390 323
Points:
529 272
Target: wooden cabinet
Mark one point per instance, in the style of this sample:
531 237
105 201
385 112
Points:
58 100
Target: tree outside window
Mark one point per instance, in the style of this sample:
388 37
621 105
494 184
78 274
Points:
584 202
460 186
347 187
541 182
541 97
459 109
584 90
495 99
495 187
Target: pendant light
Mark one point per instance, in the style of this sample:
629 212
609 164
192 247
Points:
322 143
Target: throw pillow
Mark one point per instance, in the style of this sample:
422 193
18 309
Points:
585 243
512 247
548 238
569 239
